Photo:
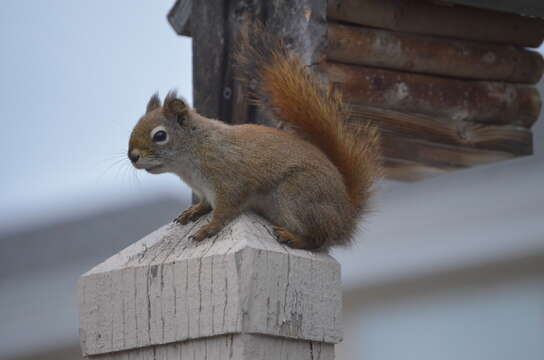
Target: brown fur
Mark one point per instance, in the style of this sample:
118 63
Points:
312 187
297 97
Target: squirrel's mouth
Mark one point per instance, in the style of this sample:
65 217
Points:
153 169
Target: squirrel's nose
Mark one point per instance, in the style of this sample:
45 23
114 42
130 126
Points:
133 155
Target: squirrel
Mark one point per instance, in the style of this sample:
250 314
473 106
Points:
313 185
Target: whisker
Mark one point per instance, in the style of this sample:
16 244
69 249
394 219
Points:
120 170
118 156
136 178
115 156
113 164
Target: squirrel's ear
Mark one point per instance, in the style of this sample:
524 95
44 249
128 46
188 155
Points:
153 103
176 106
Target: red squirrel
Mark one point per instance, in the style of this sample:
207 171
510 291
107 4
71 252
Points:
313 185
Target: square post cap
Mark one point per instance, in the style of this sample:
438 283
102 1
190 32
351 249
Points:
167 288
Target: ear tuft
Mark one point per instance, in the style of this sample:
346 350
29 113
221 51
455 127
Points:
175 106
153 103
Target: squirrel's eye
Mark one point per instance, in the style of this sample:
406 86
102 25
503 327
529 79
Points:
160 136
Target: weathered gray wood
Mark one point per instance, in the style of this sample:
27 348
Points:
216 26
166 289
433 55
179 17
440 18
209 34
230 347
302 25
241 18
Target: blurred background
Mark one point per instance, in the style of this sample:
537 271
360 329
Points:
447 268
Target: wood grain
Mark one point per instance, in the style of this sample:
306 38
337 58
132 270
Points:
442 19
460 100
418 146
517 141
242 17
167 288
229 347
179 17
432 55
411 171
209 36
437 155
302 25
526 7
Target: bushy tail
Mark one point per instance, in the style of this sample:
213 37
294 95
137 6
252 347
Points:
295 95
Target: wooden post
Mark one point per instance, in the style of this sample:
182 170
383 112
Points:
240 295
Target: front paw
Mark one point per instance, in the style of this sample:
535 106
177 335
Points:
193 213
205 232
184 217
189 215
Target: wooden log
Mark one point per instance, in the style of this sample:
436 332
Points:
425 17
461 100
410 171
437 155
240 295
432 55
509 139
526 7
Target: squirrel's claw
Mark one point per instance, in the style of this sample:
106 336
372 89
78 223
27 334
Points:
205 232
286 237
184 218
192 214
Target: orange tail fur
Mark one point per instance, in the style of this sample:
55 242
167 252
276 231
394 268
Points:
296 96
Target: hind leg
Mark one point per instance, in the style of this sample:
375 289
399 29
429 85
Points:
302 216
309 215
288 229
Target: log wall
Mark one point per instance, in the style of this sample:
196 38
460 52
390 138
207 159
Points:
450 86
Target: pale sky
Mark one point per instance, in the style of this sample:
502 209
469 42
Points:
75 77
